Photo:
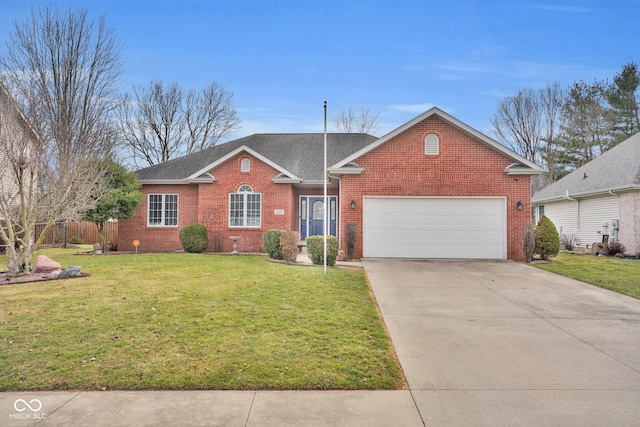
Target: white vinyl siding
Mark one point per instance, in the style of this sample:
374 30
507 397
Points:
564 216
434 227
593 213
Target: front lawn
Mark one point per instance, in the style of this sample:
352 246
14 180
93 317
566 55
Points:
187 321
620 275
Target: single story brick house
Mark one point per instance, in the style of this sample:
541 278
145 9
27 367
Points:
432 188
601 198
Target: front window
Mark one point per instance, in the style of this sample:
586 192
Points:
245 208
162 210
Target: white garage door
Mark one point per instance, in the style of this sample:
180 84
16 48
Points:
426 227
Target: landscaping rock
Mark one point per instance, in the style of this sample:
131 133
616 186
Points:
73 271
44 264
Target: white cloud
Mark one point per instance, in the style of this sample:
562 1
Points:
412 108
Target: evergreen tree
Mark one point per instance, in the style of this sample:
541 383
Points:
119 202
546 238
623 100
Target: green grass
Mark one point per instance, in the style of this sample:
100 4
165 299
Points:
620 275
189 321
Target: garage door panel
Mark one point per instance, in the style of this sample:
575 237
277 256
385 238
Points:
419 227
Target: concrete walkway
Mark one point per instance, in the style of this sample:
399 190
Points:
481 343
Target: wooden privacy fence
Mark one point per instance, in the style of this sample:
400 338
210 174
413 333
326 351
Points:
85 231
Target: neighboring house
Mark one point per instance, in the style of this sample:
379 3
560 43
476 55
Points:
16 136
432 188
600 198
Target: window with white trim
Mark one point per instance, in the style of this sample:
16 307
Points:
162 210
245 165
245 208
432 145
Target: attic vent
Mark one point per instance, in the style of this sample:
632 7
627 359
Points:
432 145
245 165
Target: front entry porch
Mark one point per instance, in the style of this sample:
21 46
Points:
313 213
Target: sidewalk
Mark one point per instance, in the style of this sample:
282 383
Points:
210 408
303 258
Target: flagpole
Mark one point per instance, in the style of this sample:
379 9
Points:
324 179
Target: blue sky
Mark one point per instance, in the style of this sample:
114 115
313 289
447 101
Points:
282 59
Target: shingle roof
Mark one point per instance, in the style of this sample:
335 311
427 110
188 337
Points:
300 154
615 169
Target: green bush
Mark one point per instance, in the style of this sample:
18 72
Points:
315 249
194 238
75 240
547 239
271 243
289 245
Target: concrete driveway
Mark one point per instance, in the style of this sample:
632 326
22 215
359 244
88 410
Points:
503 343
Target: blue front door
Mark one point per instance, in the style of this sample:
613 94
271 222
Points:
313 213
316 216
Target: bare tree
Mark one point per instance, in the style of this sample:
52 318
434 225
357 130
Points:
62 69
529 123
209 116
363 121
162 123
552 99
518 123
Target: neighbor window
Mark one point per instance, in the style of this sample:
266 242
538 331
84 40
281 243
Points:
245 208
162 210
245 165
432 145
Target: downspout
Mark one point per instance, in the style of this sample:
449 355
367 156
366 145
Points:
566 197
339 219
616 231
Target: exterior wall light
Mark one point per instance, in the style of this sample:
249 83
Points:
353 204
520 205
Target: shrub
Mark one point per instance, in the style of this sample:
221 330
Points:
75 240
315 249
528 242
271 242
351 237
194 238
289 245
616 248
547 239
568 241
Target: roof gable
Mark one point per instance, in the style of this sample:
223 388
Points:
248 150
617 169
526 165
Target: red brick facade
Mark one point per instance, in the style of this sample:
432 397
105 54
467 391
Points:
464 167
398 167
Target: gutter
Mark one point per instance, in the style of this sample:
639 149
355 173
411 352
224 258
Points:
632 187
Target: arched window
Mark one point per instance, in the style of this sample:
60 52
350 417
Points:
245 165
432 145
245 208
